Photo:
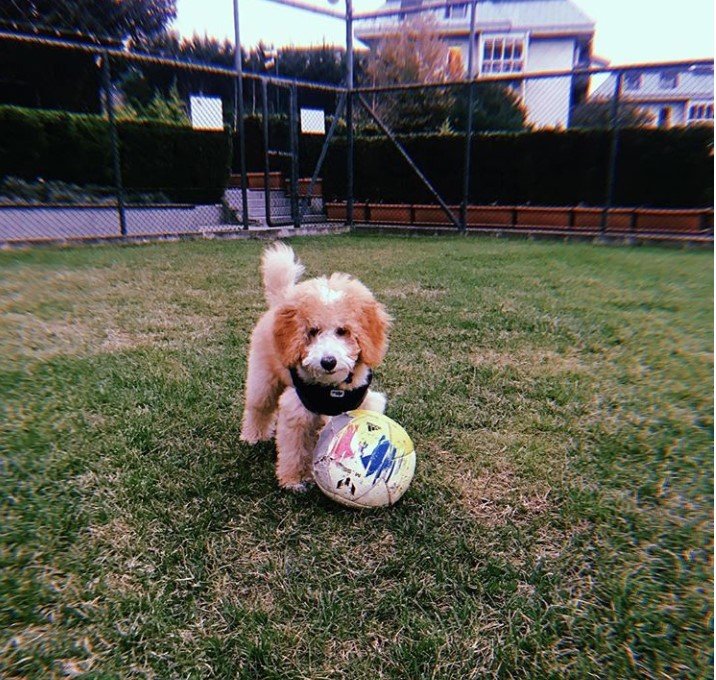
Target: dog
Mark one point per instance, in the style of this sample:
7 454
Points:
311 356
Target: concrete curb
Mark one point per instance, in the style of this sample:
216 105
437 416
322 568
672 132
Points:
684 240
255 233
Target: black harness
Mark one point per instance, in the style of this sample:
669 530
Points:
327 400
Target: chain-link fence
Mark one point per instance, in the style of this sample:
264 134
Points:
505 131
471 119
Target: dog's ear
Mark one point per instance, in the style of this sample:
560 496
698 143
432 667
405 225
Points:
289 333
373 338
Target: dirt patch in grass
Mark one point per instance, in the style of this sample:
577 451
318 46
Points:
91 311
499 495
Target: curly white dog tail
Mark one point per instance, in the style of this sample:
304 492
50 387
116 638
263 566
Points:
281 270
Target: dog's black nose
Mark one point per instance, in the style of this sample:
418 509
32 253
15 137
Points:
328 363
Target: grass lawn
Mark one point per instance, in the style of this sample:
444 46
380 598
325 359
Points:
560 523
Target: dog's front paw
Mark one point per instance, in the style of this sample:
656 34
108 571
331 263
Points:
253 437
300 487
253 432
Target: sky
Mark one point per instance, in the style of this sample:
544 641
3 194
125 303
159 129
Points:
627 31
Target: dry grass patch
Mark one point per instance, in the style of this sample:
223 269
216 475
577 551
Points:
112 309
532 360
241 572
498 495
413 290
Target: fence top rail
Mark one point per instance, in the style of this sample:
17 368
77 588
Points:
308 7
144 57
538 75
289 82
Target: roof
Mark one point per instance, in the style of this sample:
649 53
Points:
694 83
535 16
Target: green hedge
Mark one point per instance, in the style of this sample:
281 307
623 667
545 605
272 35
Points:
655 168
185 164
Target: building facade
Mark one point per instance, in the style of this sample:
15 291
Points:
672 97
511 36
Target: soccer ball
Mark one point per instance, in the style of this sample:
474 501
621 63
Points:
363 459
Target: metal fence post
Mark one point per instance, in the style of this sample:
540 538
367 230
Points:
468 131
349 113
114 137
266 138
293 138
239 116
613 151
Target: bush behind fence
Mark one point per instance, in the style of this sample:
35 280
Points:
659 168
187 165
655 168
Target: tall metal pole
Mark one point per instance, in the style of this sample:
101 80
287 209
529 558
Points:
267 160
116 160
239 117
349 112
613 151
468 131
293 136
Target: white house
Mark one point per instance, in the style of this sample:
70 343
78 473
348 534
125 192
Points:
676 96
512 36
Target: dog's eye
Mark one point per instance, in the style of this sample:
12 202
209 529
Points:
341 331
312 332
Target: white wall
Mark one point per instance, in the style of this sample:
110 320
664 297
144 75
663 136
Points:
548 99
678 112
22 223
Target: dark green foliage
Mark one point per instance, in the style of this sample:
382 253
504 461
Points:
655 168
495 108
186 164
107 19
598 115
21 142
14 190
49 77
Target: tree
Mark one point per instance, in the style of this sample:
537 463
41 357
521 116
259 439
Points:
416 54
495 107
598 115
48 77
201 49
103 19
52 77
169 108
140 83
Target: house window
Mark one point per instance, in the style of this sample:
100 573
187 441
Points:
455 11
668 80
701 113
632 81
503 55
664 117
455 64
